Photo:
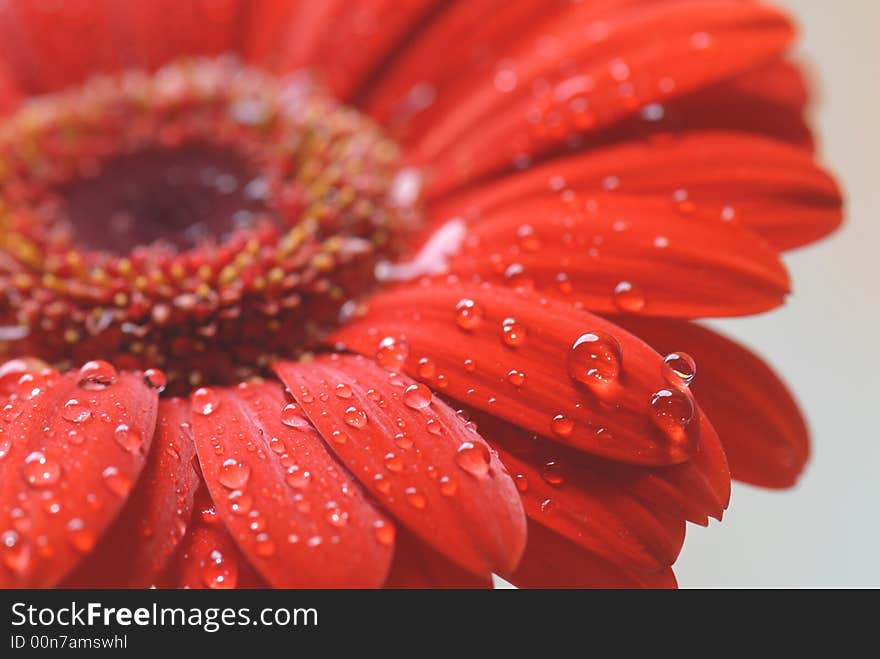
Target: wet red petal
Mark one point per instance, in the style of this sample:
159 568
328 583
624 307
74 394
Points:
478 358
276 490
589 249
68 452
209 558
49 46
771 188
759 423
421 461
579 498
551 561
153 522
639 55
416 565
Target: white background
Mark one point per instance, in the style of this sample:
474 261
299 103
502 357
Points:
825 342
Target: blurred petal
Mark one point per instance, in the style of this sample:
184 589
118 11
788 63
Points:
417 565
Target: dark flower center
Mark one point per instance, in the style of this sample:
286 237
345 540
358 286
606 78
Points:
204 219
179 198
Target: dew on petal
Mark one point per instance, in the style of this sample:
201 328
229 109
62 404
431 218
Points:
679 368
298 477
291 417
80 537
117 482
205 401
562 425
234 474
219 572
415 498
41 471
672 411
393 463
75 411
594 360
553 472
448 487
240 502
384 531
513 333
417 396
343 390
392 352
96 375
516 378
629 297
468 314
355 417
473 457
156 379
128 438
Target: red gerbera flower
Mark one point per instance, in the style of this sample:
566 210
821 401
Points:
332 269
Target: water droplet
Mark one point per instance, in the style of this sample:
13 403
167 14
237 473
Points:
417 396
234 474
79 536
672 411
427 369
474 458
594 360
469 365
76 412
393 463
513 333
553 473
415 498
337 517
384 531
343 390
265 547
291 417
40 471
528 239
562 425
128 438
240 502
297 477
97 375
355 417
679 368
468 314
392 352
516 378
218 572
117 482
521 482
403 440
448 487
205 401
629 297
156 379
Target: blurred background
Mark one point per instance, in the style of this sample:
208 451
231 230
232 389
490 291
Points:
826 344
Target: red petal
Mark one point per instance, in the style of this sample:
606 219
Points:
644 54
416 565
759 423
585 250
49 46
345 41
154 520
67 469
579 499
282 496
478 367
551 561
209 558
434 473
771 188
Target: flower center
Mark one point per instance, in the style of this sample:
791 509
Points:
204 219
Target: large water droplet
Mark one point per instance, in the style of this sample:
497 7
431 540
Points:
240 502
156 379
553 472
291 417
234 474
205 401
117 482
355 417
417 396
41 471
679 368
415 498
562 425
474 458
97 375
468 314
298 477
672 411
129 438
392 352
595 360
393 463
75 412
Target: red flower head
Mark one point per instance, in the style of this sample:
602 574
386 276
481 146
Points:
320 294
